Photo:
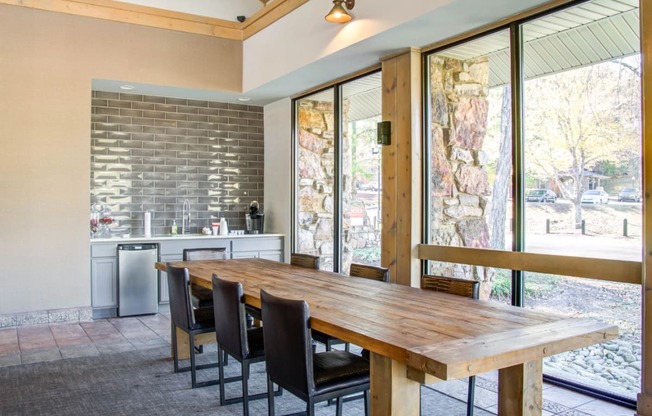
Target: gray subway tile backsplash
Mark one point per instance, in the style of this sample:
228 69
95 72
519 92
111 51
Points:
152 153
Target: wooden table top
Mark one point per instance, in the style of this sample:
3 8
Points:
443 335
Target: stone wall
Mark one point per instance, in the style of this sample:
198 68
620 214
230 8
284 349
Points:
460 187
315 180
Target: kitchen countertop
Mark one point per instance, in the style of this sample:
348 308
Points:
161 237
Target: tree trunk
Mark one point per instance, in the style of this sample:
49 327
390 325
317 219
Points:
499 196
577 206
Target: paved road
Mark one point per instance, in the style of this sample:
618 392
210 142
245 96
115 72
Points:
618 248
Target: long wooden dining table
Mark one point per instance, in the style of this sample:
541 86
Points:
417 336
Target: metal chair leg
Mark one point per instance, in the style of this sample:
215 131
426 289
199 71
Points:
470 397
220 363
175 355
193 369
338 409
270 397
366 402
245 389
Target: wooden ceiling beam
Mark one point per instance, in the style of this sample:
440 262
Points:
269 14
166 19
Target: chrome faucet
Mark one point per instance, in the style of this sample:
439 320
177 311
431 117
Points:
185 215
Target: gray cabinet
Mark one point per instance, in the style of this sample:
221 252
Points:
270 248
104 262
163 292
104 273
104 280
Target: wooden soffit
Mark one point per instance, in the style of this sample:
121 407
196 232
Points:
164 19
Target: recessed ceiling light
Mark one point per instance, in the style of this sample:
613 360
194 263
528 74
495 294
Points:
244 99
127 87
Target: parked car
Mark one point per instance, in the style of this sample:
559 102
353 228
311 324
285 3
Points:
595 196
367 187
541 195
630 194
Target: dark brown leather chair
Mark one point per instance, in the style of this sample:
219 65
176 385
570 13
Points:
369 272
193 321
291 363
202 297
451 285
305 260
459 287
234 338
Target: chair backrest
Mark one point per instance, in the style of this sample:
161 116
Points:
459 287
369 272
191 254
230 321
288 344
180 304
304 260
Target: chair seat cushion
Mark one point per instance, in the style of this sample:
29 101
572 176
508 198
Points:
334 370
201 297
324 338
204 318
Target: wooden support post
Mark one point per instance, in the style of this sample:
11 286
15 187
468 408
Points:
644 405
401 167
392 392
520 389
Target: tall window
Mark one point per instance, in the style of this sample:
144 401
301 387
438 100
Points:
582 148
315 176
568 183
470 151
338 183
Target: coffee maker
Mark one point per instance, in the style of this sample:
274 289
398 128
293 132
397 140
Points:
254 219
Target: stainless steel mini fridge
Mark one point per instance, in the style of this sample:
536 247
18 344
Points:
137 279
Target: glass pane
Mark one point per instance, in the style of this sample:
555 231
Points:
614 366
583 139
361 172
315 176
582 150
470 157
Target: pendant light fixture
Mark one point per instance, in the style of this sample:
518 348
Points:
338 13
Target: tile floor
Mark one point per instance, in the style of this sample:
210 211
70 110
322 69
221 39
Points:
30 344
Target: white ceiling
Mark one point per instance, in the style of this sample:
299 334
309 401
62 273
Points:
220 9
450 18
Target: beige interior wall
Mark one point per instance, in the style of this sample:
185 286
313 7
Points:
278 169
47 62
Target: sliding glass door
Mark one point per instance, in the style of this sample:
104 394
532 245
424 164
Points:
582 153
533 139
337 174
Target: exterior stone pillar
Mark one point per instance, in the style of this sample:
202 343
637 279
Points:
459 181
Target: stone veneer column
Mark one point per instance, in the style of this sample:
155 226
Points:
459 182
316 175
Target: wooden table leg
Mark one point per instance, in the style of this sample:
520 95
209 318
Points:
183 343
392 392
520 389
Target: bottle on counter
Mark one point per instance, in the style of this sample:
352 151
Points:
224 229
173 229
148 224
